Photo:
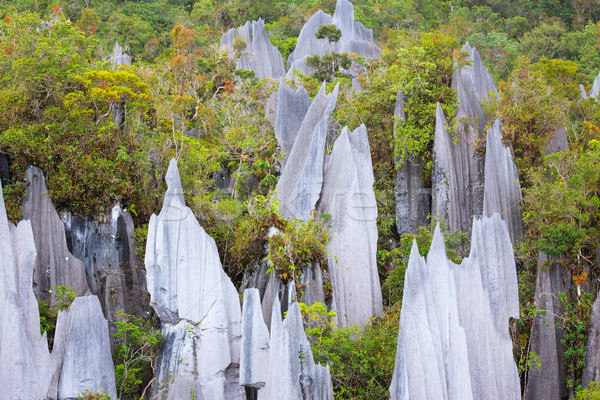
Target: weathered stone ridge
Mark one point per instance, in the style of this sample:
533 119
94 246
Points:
292 107
549 381
502 191
349 198
356 38
301 179
259 55
54 265
195 300
453 340
413 199
107 249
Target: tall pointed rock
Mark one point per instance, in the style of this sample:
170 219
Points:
195 300
349 199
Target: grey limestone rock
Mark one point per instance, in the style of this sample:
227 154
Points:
260 55
312 280
254 354
453 340
458 181
87 362
195 300
356 38
55 265
107 249
413 199
292 373
549 381
301 179
119 57
24 352
594 91
349 199
291 110
502 191
592 351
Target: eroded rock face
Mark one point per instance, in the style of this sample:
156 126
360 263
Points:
349 198
54 265
458 176
107 249
592 352
119 57
558 142
87 363
292 372
23 351
254 355
594 91
549 381
301 180
4 169
453 340
356 38
291 109
502 191
413 199
259 55
195 300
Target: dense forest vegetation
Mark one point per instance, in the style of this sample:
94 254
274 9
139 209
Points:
184 98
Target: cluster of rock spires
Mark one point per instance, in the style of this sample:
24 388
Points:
206 337
266 61
81 358
453 340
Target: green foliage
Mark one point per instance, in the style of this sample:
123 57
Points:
318 321
591 393
361 359
562 207
575 324
298 244
64 296
89 395
329 32
422 68
134 357
456 242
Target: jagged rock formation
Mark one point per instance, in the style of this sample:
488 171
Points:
458 168
81 358
356 38
254 354
292 372
453 340
54 265
119 57
195 300
259 55
349 198
107 248
87 362
291 110
300 184
594 91
592 349
549 381
413 199
502 191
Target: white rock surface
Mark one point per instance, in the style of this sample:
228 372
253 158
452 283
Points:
502 190
259 55
349 199
292 107
453 340
301 179
55 265
87 362
195 300
254 354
